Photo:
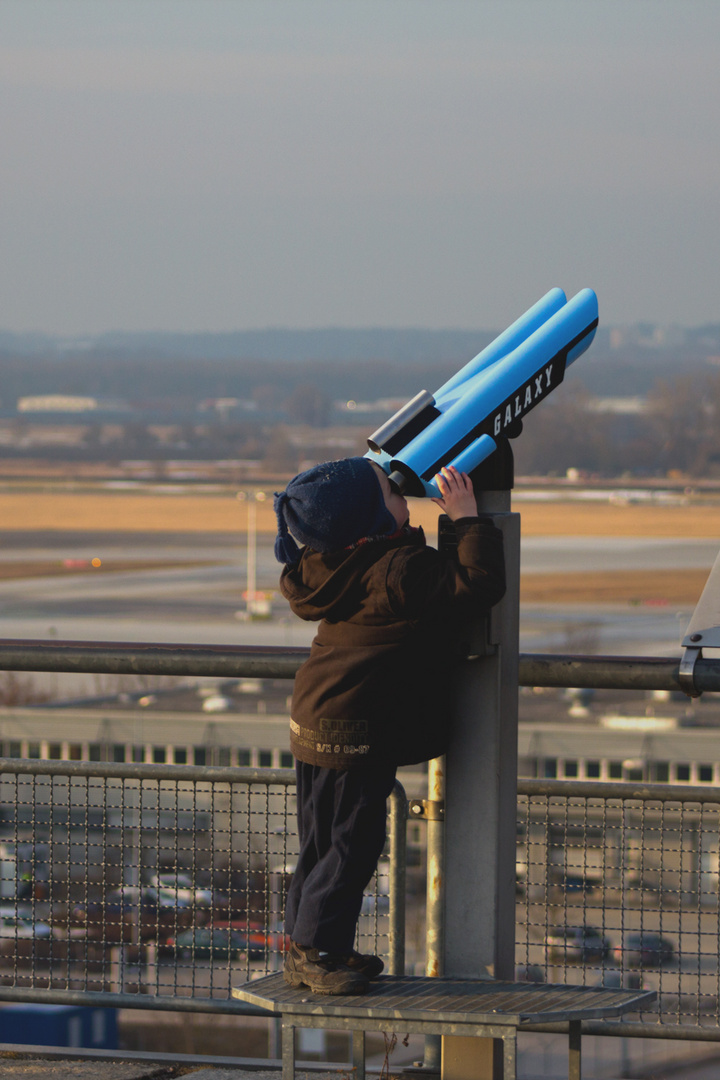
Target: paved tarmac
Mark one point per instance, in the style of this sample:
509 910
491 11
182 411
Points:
204 604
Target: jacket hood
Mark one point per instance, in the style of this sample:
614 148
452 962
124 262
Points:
329 585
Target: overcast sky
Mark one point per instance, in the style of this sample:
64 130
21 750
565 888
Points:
230 164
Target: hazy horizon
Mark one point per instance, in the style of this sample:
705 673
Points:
208 166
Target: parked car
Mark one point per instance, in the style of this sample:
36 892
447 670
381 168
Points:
532 973
24 940
131 912
180 889
628 980
577 943
17 926
206 943
578 883
644 948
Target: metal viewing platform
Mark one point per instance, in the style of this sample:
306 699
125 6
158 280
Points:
440 1006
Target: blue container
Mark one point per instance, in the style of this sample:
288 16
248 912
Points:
59 1025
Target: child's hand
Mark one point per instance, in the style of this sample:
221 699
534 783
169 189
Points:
458 497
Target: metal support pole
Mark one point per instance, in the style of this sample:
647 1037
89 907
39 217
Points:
435 894
288 1050
481 796
251 548
575 1050
434 934
358 1054
398 876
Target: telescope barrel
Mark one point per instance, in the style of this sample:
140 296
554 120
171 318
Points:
405 424
488 397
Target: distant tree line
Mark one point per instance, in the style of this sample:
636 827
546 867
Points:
178 381
678 431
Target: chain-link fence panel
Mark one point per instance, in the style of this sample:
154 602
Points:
164 882
618 886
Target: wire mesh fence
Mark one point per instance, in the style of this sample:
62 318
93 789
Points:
164 882
618 886
166 885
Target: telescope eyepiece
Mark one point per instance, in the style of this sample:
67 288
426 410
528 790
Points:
398 482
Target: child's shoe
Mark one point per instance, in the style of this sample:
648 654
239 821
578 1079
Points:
370 966
322 973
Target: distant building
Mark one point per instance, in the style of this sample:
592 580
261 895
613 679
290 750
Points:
634 749
225 405
634 405
56 403
185 738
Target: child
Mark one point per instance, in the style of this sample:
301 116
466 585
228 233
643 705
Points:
372 694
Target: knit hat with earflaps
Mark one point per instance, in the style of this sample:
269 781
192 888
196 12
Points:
330 506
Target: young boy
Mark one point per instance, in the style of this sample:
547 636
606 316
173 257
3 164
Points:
372 694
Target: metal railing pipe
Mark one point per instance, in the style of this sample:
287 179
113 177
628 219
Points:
616 789
111 770
282 662
118 1000
632 1030
613 672
150 658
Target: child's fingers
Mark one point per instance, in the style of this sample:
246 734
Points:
451 483
454 479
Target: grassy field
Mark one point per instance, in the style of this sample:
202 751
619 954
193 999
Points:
647 587
123 512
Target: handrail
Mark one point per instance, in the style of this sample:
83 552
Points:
282 662
150 658
612 672
622 790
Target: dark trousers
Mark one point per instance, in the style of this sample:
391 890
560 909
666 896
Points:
342 828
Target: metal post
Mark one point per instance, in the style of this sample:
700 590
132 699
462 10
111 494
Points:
435 894
575 1050
434 936
251 547
481 794
288 1050
398 876
358 1054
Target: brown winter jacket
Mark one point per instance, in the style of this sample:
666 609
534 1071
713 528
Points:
383 661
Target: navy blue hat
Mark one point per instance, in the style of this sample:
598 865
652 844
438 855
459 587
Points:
330 506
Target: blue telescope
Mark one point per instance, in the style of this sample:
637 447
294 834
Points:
459 425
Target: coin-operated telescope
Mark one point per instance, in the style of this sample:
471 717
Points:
459 425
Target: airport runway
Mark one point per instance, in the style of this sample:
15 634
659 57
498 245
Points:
204 604
189 603
540 554
555 554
